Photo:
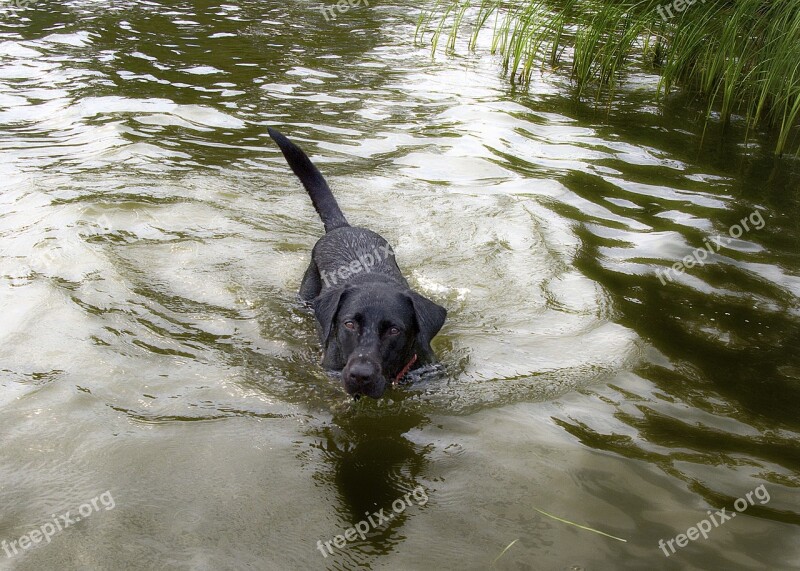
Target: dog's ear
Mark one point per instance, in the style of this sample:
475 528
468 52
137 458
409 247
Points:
325 307
430 318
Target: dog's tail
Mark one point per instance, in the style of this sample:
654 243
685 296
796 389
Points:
319 191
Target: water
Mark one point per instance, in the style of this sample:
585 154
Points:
153 241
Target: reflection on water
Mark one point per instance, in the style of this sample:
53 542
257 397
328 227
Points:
368 465
152 344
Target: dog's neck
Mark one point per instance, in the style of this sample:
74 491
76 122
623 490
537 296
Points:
405 369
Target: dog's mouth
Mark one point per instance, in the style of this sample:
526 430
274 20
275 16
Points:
375 391
372 394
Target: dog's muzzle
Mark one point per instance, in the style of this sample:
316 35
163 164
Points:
363 376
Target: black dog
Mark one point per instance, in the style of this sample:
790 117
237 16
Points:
372 327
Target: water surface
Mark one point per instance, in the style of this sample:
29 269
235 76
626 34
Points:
153 241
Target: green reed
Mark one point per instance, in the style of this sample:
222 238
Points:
741 56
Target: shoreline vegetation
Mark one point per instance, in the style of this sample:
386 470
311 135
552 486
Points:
741 57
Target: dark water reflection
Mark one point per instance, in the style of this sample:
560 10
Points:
371 466
152 243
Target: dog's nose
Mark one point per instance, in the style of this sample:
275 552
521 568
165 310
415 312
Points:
361 373
363 377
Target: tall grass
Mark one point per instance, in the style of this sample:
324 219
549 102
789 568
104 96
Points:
741 56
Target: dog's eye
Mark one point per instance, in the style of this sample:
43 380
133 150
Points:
350 325
394 331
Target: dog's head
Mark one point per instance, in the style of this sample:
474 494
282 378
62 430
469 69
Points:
371 332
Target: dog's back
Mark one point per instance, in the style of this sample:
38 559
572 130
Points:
350 254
